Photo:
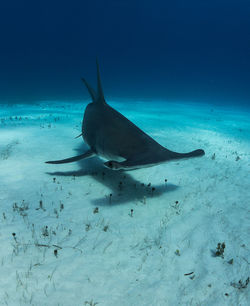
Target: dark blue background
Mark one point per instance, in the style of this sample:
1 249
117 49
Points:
189 50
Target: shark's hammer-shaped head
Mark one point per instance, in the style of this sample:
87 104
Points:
114 165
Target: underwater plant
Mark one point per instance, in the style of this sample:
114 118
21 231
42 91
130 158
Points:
241 284
220 249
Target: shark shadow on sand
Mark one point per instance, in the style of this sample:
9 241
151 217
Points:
123 187
113 137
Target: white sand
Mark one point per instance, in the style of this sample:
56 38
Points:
109 257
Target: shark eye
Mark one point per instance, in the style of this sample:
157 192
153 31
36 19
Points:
110 164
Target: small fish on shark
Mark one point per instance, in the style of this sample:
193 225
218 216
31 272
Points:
113 137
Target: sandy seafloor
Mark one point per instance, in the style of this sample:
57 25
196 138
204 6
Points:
110 257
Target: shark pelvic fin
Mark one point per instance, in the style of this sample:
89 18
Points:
78 136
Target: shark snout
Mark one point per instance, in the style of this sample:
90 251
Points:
111 164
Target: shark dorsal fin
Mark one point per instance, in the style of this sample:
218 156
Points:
90 90
100 96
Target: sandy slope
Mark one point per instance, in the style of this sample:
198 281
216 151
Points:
65 253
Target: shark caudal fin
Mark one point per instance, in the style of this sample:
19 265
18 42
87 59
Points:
98 96
90 90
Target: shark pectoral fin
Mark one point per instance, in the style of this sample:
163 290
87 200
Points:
87 154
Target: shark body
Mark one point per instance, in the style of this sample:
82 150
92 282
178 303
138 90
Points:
112 136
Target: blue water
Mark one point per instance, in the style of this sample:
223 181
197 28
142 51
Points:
180 71
195 51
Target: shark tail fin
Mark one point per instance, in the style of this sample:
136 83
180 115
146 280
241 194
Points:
90 90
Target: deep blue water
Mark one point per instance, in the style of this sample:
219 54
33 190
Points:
174 50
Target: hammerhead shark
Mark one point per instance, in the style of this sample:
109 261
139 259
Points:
115 138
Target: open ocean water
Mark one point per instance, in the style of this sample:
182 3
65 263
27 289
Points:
81 233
